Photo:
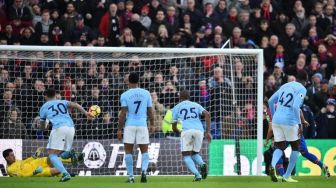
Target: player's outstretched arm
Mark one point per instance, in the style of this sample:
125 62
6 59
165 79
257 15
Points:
175 129
81 109
206 115
121 122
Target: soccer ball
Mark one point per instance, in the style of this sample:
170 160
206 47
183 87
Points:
95 110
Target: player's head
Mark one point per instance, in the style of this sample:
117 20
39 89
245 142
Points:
50 93
184 95
8 154
133 78
302 76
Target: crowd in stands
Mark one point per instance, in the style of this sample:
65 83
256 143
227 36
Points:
294 35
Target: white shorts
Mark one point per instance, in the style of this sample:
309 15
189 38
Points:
285 133
191 140
61 138
136 135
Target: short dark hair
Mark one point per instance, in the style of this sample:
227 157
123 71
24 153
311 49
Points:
133 78
185 94
301 76
6 153
50 93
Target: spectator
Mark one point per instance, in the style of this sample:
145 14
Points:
263 30
194 13
44 26
270 86
326 121
310 131
36 10
57 38
218 79
127 39
28 36
278 25
326 59
33 101
300 65
248 28
109 25
176 78
321 96
312 22
6 103
221 12
159 110
12 127
305 48
270 51
314 66
9 35
158 82
68 20
127 14
82 33
144 18
154 7
115 77
299 20
19 12
96 98
137 28
107 128
268 11
290 41
159 20
169 95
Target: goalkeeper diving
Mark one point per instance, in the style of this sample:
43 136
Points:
34 166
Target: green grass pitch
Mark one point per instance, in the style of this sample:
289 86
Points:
166 182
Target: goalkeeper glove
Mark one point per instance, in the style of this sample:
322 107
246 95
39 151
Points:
37 170
38 152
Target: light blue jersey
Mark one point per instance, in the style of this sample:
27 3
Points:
56 111
189 114
288 100
137 101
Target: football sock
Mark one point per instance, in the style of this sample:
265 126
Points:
277 154
57 163
280 169
197 159
191 165
129 164
292 161
312 158
65 155
144 162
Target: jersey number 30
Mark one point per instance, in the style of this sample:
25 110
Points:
59 109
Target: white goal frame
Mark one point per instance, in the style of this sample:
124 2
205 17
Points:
205 51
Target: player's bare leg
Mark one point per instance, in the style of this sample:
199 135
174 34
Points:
277 154
57 163
292 161
129 161
144 163
199 161
191 165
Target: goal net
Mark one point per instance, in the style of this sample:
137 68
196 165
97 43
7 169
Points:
226 82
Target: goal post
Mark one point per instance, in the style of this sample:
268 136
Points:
227 82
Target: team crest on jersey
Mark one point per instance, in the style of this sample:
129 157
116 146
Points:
95 155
